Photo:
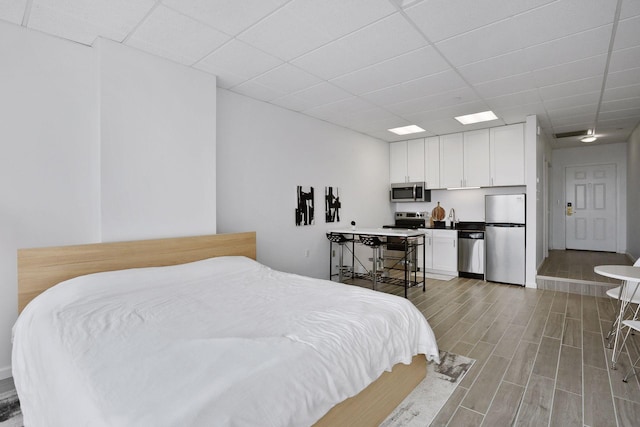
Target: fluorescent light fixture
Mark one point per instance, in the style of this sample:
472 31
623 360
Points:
406 130
484 116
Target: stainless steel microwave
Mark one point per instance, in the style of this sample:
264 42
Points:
410 192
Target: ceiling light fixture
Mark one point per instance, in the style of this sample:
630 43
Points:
406 130
590 136
484 116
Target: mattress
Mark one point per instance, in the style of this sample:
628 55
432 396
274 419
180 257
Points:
225 341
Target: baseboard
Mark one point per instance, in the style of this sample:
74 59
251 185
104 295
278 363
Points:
5 372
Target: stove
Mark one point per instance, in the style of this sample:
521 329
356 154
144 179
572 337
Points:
409 220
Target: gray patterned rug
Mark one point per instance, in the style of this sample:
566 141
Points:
425 401
417 409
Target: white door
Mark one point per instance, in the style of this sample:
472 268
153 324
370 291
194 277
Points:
591 219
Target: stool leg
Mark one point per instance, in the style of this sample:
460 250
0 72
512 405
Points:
340 278
375 268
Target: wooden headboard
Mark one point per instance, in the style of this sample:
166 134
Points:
41 268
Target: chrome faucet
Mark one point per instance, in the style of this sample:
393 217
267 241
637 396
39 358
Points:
452 217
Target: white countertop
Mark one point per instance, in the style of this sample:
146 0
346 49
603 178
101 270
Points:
621 272
389 232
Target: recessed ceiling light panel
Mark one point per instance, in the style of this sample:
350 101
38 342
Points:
484 116
406 130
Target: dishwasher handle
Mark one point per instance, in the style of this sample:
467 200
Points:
472 235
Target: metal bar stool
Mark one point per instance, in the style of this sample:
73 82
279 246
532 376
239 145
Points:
375 244
341 240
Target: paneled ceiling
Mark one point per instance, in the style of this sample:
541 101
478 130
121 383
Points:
370 65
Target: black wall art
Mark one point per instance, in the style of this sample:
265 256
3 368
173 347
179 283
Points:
332 204
305 210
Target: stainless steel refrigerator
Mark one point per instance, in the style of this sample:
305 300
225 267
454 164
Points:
505 238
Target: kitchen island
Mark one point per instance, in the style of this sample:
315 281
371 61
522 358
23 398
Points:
374 238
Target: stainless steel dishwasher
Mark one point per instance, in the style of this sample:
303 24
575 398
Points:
471 254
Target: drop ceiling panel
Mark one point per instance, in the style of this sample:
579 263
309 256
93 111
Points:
501 66
514 99
629 8
83 21
340 108
255 90
516 114
377 42
569 49
628 77
621 104
587 100
627 34
172 35
486 42
287 78
304 25
446 99
421 62
632 113
507 85
456 17
314 96
230 64
559 119
425 86
562 18
229 16
623 92
12 10
624 59
571 88
437 113
577 70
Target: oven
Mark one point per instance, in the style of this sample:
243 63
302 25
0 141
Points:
394 250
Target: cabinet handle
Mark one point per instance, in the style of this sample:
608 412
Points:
461 183
454 243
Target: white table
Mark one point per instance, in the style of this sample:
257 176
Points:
401 233
630 276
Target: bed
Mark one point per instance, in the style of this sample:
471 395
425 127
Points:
194 331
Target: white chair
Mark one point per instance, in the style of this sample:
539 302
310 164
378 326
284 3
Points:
625 294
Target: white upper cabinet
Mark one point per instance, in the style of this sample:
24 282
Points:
432 162
398 162
451 160
406 162
476 159
415 160
507 155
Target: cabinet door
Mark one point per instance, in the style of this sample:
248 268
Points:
432 162
451 160
398 162
415 160
507 155
476 159
428 250
445 250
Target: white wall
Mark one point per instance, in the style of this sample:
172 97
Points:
158 133
633 194
49 134
598 154
265 151
61 103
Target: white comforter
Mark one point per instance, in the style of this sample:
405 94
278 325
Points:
224 342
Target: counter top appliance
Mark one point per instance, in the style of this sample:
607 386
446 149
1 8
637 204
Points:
505 238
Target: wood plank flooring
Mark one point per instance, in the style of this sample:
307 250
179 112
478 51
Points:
541 355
